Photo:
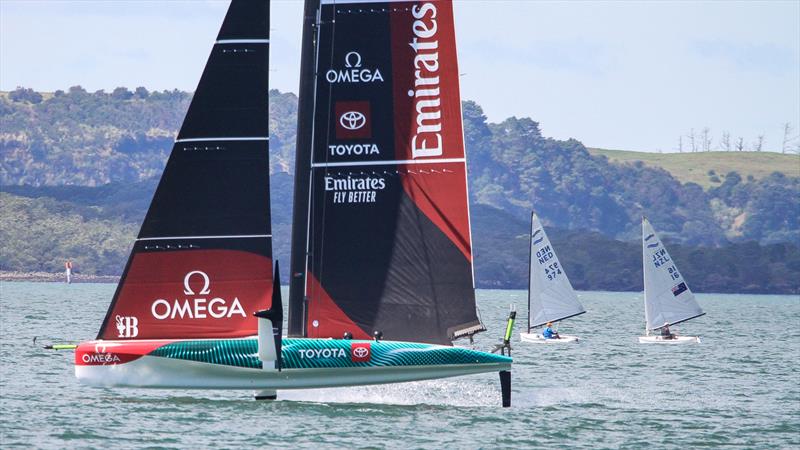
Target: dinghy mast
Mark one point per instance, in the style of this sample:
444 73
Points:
551 297
202 262
667 297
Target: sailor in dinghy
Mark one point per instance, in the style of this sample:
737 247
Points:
667 298
551 297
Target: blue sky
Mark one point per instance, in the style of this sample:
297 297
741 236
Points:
628 75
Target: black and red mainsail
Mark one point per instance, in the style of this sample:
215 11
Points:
387 232
202 262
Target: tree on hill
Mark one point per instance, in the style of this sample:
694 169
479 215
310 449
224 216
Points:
121 93
141 93
21 94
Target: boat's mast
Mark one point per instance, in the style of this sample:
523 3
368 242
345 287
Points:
302 171
644 279
530 263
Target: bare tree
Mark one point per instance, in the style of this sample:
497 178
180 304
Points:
725 142
787 131
692 140
740 144
759 143
706 139
680 144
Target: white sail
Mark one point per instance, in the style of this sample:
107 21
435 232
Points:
550 294
667 297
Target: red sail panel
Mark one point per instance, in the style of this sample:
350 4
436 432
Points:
442 199
427 101
191 294
427 108
389 235
334 321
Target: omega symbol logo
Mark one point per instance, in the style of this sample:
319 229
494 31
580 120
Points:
352 120
352 59
206 283
360 352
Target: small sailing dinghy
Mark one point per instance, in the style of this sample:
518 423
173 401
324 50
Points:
550 294
382 277
667 298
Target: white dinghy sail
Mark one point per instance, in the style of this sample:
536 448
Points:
667 297
551 297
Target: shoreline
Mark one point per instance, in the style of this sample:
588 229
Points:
58 277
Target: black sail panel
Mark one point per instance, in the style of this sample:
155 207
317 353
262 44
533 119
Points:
202 262
389 245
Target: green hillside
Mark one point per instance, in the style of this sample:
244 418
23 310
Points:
708 169
78 170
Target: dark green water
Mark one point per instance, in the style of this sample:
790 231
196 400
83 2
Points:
739 388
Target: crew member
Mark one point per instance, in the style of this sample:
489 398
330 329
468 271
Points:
665 333
548 332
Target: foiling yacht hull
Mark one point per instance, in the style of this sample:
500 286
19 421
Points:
307 363
537 338
677 340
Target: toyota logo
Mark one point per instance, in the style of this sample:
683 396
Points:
352 120
360 352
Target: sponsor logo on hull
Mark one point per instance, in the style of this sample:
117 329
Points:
316 353
360 352
100 359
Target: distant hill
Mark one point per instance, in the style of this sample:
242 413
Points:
89 162
708 169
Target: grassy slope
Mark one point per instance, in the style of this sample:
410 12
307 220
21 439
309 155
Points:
695 167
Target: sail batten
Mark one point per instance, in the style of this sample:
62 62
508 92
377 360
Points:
551 297
667 297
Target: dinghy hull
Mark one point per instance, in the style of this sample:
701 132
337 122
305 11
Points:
537 338
307 363
678 340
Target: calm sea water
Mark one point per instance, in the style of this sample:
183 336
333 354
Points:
740 387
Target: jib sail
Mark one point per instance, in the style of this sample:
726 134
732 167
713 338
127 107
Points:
201 264
667 297
388 233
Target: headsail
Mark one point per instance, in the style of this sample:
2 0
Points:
550 294
667 297
389 245
202 262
